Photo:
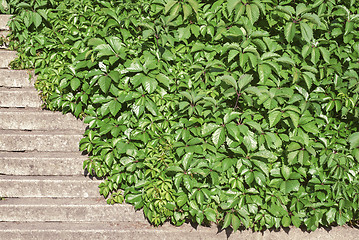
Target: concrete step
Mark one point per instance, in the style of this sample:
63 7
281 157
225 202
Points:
42 141
48 186
4 33
42 163
19 98
143 231
4 19
66 209
15 78
37 119
6 57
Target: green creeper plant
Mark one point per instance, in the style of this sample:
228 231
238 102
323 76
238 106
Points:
238 112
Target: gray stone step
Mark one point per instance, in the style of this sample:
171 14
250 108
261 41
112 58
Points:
48 186
37 119
143 231
4 19
6 57
19 98
15 78
42 141
4 33
41 163
66 209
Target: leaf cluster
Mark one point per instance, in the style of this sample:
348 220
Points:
238 112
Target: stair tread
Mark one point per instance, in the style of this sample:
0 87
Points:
62 179
42 155
62 132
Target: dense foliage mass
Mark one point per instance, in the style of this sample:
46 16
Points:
237 112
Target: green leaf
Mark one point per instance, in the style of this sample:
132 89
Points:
289 186
259 178
229 80
236 223
244 80
207 129
307 32
115 107
231 4
354 140
262 166
230 116
151 107
149 84
210 214
274 118
75 83
234 131
37 19
219 136
289 31
311 127
325 54
294 117
105 83
227 220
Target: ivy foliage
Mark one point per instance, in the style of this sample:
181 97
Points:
238 112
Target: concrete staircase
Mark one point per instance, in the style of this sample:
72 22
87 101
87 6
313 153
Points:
46 194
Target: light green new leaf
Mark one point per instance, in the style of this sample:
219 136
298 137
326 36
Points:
229 80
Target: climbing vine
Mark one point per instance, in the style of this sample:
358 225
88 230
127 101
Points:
238 112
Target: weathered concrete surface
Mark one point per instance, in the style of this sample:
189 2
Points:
4 33
45 141
37 119
15 78
41 163
4 19
143 231
48 186
66 209
19 98
6 57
